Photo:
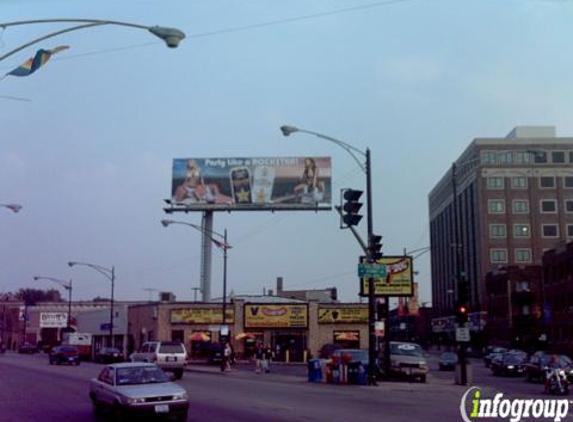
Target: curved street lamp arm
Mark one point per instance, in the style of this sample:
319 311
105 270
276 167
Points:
349 148
65 284
106 272
209 233
64 20
45 37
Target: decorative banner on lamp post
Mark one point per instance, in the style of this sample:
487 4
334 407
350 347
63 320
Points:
398 280
255 183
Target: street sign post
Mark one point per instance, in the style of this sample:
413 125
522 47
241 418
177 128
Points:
366 270
462 334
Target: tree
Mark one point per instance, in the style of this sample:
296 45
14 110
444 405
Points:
32 296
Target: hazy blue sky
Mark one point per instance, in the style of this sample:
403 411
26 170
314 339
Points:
90 155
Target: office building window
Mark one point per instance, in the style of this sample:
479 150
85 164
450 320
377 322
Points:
568 181
550 230
569 205
547 182
505 157
571 156
498 255
558 156
519 182
522 157
520 206
523 255
549 206
489 157
569 230
495 183
496 206
521 230
497 230
539 156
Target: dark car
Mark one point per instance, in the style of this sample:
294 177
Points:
538 364
492 352
109 355
327 350
64 354
508 364
447 361
27 348
214 353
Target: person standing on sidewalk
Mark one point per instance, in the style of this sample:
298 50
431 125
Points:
267 356
226 358
259 357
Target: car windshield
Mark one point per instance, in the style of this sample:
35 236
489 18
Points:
406 349
140 375
354 355
512 359
449 356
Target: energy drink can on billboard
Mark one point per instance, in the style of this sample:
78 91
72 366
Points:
263 182
241 185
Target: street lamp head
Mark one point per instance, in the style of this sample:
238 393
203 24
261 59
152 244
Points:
166 222
171 36
71 264
36 278
14 207
287 130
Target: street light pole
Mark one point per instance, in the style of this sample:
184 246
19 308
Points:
224 246
171 36
68 286
110 275
366 168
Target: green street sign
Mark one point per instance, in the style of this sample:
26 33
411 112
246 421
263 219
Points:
371 270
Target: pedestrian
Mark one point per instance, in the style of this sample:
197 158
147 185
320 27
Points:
226 358
259 356
267 356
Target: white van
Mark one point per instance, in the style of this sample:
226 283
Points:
168 355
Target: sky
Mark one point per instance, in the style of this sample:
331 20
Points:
89 155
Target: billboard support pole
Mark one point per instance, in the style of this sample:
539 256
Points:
206 248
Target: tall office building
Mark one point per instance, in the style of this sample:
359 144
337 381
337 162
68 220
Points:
514 201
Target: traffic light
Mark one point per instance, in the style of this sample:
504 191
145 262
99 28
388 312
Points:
462 314
351 207
463 291
375 247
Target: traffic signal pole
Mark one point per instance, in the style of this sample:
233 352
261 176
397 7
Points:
459 279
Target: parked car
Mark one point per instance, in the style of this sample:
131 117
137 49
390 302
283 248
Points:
492 352
327 350
538 364
137 389
64 354
351 355
27 348
407 359
108 355
508 364
168 355
447 361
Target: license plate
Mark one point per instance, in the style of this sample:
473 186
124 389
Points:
161 408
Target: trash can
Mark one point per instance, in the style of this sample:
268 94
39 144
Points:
352 374
314 370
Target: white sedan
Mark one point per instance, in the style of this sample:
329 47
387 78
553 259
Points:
132 389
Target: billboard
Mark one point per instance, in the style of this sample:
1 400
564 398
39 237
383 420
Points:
398 281
267 183
343 315
202 316
276 316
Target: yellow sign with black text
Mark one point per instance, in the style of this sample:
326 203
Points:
202 316
276 316
399 280
340 315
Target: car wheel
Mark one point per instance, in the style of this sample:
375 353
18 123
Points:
97 408
118 413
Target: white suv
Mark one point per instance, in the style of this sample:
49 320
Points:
168 355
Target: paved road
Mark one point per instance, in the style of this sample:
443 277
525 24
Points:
31 390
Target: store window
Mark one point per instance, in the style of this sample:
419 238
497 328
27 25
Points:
550 230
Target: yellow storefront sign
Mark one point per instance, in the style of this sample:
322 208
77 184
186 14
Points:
276 316
398 281
202 316
347 315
